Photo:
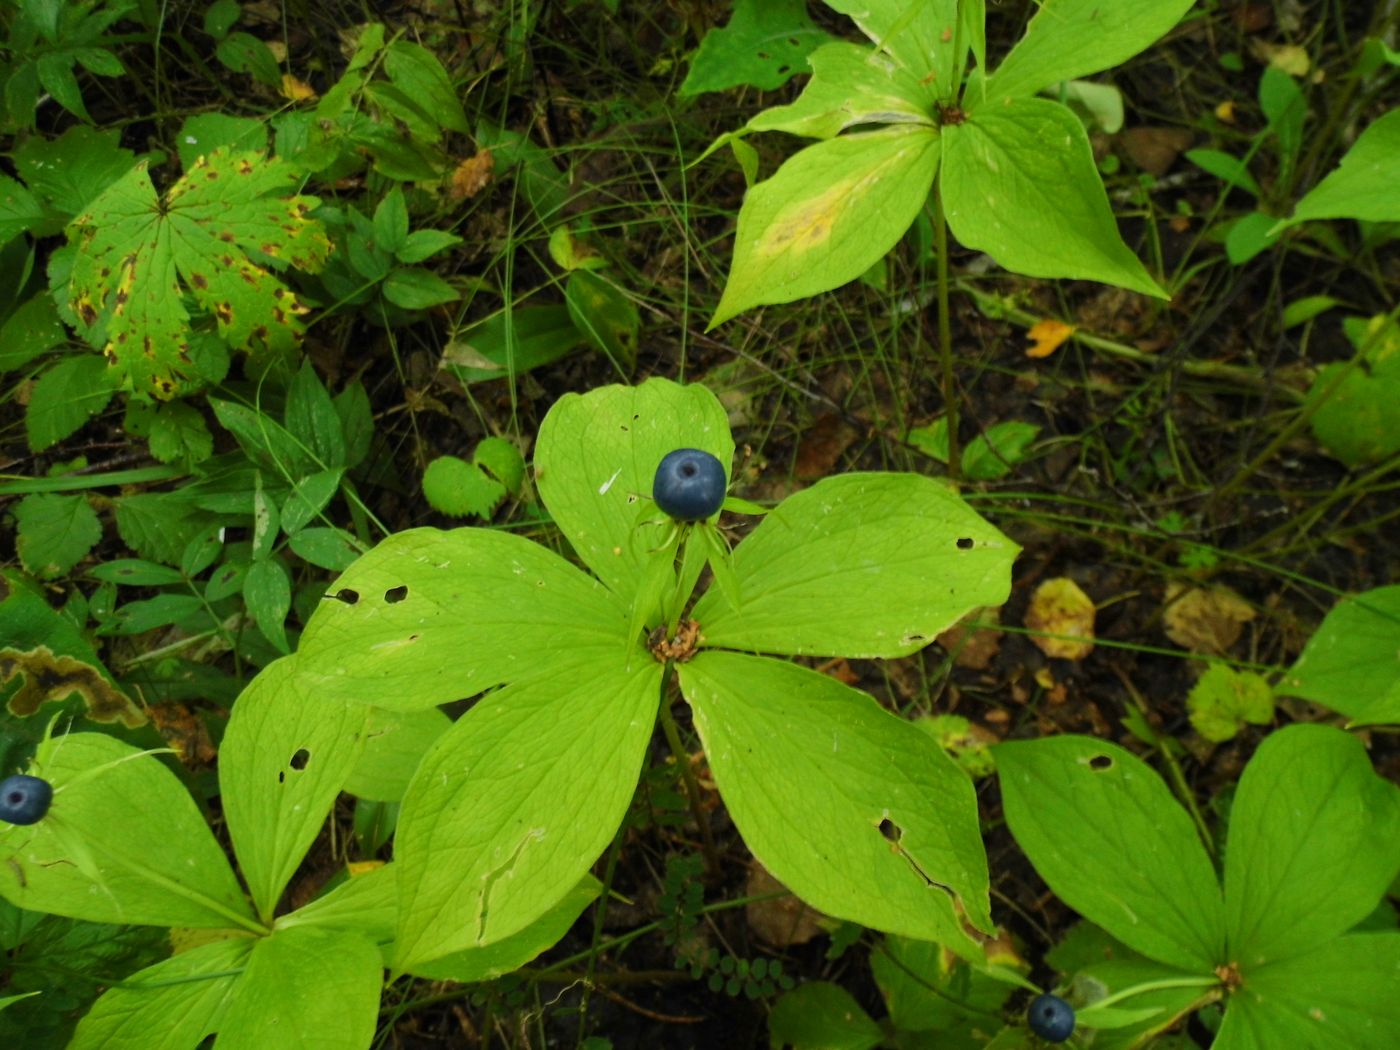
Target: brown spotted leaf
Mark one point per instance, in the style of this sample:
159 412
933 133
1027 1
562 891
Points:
218 235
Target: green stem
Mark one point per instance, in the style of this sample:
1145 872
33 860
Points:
692 786
1155 986
945 333
599 916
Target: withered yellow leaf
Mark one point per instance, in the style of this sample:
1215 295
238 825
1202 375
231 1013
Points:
1046 337
1060 608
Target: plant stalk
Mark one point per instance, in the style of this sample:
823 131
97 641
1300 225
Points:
945 333
692 787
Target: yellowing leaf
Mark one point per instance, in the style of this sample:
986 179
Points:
1205 619
217 234
1047 336
296 90
1225 112
1060 607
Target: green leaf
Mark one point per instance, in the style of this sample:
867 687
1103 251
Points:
326 548
69 171
423 244
394 742
220 17
764 43
454 486
267 590
1223 700
418 73
415 288
889 835
1019 183
161 611
822 1016
55 71
138 254
380 635
178 433
1226 167
245 53
524 792
356 423
1249 235
821 221
1338 997
916 35
55 532
157 527
19 210
308 498
132 572
1106 835
495 960
606 317
268 444
1352 662
286 754
511 343
1068 39
312 420
31 329
178 1002
1359 421
203 133
502 459
123 842
1364 185
65 397
306 987
1282 102
391 221
844 568
995 452
596 458
927 989
365 903
850 85
1314 842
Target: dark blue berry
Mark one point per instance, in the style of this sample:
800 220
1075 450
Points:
1051 1018
689 484
24 799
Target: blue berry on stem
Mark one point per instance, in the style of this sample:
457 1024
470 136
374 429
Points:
24 799
689 484
1051 1018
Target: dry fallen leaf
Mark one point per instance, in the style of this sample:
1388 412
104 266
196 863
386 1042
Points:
295 90
822 447
780 921
1047 336
1290 58
1155 150
1205 619
471 176
1059 607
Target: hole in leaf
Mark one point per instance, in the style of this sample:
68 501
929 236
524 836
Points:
793 41
300 759
783 70
281 778
891 830
346 595
394 595
965 543
1100 762
764 55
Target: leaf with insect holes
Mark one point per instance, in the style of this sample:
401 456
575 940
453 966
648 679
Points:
217 234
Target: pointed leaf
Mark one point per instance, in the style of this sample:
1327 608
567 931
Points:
308 988
367 903
919 36
172 1005
1352 662
1339 997
286 754
858 812
500 604
1314 842
123 842
1366 184
596 460
764 43
859 565
1019 183
1073 38
515 802
1103 830
827 215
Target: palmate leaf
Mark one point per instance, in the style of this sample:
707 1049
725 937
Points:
217 234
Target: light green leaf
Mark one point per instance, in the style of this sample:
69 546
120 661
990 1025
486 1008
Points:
494 960
414 288
366 903
311 418
56 531
822 1016
850 85
995 452
286 754
1019 183
394 742
501 605
859 565
1068 39
308 498
1226 167
1352 662
65 397
203 133
888 823
173 1005
138 254
308 988
764 43
454 486
596 459
326 548
267 591
123 842
1366 184
917 35
511 343
1106 835
502 459
1338 997
1223 700
523 792
827 214
1314 842
605 316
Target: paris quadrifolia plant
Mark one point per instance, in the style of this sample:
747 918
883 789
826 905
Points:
570 668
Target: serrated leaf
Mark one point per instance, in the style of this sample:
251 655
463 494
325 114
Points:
504 461
19 210
1314 842
1019 183
56 531
879 802
1223 700
764 44
157 527
1352 661
140 254
1133 865
72 169
848 568
65 397
525 790
178 433
1364 185
454 486
827 214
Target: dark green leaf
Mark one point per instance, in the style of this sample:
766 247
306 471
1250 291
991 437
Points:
65 397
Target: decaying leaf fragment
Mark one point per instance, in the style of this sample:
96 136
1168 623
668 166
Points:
1205 619
49 676
1047 336
217 234
1060 607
